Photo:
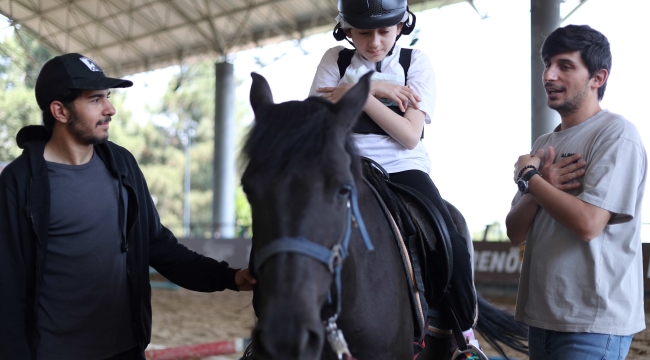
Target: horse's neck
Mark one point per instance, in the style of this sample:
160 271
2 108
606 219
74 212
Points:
375 288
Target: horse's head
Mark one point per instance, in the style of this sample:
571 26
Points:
300 175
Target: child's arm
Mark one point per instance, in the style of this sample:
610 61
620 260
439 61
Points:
406 129
327 73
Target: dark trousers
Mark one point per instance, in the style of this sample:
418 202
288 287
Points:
461 295
133 354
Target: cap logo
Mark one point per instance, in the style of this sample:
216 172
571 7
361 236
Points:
90 64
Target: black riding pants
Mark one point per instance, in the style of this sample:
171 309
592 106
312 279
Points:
462 295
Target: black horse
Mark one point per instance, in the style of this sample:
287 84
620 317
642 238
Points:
303 181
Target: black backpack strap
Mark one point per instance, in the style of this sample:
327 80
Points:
404 60
345 58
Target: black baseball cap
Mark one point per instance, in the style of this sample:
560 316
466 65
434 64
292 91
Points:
72 71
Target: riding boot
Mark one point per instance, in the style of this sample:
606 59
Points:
437 348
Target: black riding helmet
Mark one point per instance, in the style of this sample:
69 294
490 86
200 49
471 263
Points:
373 14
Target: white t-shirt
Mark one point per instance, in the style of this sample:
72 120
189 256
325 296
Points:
597 287
385 150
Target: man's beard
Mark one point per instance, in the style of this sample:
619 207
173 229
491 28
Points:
83 134
571 105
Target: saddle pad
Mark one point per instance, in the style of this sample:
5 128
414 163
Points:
432 226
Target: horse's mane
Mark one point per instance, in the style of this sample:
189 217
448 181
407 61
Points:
286 136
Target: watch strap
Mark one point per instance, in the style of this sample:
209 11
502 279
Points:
530 174
521 172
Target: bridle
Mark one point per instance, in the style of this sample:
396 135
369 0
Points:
332 258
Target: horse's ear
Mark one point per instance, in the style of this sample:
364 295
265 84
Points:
260 92
352 103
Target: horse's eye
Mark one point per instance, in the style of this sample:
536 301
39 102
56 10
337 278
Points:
345 191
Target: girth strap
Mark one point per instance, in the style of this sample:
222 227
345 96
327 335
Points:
418 302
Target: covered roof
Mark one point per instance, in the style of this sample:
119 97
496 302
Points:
129 36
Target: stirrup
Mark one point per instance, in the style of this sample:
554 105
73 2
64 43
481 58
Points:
471 353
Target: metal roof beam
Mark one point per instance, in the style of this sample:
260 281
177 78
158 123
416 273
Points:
193 23
38 12
217 39
203 18
102 25
64 31
145 34
151 26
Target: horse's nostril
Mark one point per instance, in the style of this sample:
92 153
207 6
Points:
303 344
313 339
309 340
261 346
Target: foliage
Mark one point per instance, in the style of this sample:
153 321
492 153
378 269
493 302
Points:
492 232
188 104
21 57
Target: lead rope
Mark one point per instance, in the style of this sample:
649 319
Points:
336 339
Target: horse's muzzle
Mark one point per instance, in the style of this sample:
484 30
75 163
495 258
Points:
287 339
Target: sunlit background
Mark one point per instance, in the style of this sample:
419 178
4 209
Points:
481 124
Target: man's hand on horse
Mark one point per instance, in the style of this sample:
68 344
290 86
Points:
562 173
244 280
526 160
334 93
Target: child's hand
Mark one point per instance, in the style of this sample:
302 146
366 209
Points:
401 95
334 94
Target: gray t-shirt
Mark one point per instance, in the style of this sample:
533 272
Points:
573 286
84 308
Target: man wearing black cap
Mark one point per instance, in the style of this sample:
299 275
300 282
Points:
79 230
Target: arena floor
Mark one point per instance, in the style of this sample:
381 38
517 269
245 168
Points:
182 317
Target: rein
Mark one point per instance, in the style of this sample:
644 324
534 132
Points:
332 258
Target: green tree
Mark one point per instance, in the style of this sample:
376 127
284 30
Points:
492 232
188 104
21 58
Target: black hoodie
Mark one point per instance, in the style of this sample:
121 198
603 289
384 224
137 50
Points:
24 221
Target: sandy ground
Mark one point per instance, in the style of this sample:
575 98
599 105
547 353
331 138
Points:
182 317
639 350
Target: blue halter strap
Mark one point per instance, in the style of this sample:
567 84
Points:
332 258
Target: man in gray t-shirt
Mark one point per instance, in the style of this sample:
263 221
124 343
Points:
581 284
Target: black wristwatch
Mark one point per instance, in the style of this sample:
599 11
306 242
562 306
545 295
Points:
522 183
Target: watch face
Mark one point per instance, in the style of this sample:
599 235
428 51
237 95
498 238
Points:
522 185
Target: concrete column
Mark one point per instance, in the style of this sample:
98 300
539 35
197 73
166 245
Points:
223 199
544 18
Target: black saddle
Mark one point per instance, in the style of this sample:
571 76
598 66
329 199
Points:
419 220
426 238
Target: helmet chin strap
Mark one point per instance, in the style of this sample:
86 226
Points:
351 43
395 43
